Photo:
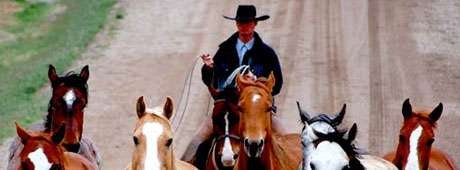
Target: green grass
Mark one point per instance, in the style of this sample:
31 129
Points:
24 62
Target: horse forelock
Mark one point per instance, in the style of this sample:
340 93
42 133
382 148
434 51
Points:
337 137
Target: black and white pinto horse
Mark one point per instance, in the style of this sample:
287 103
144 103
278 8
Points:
321 124
325 147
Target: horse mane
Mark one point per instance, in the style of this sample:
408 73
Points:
348 146
70 79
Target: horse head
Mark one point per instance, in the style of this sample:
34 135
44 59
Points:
41 150
224 151
334 151
322 123
416 137
67 103
153 137
255 103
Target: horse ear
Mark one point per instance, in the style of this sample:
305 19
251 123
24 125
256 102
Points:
168 108
270 81
304 116
436 113
352 133
339 117
84 73
140 107
58 135
22 133
52 75
406 109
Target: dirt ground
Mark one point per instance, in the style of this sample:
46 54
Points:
369 54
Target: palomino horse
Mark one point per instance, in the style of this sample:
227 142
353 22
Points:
42 151
68 100
415 139
153 139
263 149
333 151
321 123
226 145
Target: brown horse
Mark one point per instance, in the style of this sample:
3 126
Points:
415 139
68 100
226 145
66 106
263 149
43 151
153 139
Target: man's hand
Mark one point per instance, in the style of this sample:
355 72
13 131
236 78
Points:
207 60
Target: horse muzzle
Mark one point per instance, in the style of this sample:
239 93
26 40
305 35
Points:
254 148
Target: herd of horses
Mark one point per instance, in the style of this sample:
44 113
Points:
245 140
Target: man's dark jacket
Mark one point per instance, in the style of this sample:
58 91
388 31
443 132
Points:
261 58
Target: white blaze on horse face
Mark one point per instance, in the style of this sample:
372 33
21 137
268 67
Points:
329 156
152 131
39 160
69 98
412 159
256 98
227 153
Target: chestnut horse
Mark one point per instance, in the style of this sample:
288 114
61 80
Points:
153 139
415 139
66 106
225 146
261 148
42 151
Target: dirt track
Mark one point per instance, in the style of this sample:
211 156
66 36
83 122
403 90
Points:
371 55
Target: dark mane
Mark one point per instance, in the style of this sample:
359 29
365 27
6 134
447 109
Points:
71 79
350 149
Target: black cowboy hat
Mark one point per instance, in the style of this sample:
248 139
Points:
247 13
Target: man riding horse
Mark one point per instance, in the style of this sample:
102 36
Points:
244 47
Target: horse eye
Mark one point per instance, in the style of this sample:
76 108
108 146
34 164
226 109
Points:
430 141
401 138
346 167
169 142
136 141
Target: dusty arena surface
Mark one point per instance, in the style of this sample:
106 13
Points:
369 54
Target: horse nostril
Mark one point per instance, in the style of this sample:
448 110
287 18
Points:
246 142
261 143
